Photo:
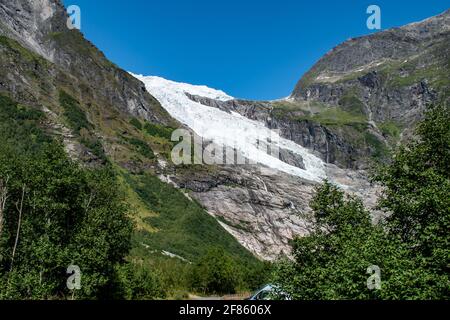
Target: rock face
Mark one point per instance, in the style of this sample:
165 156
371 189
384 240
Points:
41 27
263 208
261 205
330 142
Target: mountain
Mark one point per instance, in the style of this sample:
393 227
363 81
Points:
355 105
105 117
392 73
385 79
348 111
41 27
363 96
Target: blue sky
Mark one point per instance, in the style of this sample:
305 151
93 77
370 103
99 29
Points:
252 49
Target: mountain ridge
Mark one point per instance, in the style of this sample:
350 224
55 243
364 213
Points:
365 64
41 26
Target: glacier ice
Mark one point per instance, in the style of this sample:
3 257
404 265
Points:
229 129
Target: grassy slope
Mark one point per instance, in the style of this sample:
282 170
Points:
182 226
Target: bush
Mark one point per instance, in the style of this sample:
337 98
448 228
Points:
141 147
158 130
80 125
136 123
138 282
72 111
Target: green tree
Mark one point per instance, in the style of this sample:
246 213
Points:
410 246
54 213
417 189
215 273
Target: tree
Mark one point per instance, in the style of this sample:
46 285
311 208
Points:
55 213
137 282
417 189
410 247
215 273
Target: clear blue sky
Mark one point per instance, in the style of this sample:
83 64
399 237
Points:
251 49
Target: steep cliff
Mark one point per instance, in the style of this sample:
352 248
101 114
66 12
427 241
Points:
72 61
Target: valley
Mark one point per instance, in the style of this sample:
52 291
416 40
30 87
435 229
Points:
345 118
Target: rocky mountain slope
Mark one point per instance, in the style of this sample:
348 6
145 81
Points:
363 96
41 26
348 110
386 78
41 57
262 201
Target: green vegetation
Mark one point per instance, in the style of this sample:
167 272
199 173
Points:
158 130
77 120
181 227
336 116
92 143
409 72
242 225
157 137
74 113
141 147
309 77
18 124
184 228
436 74
410 246
351 112
136 123
152 129
73 40
88 58
347 120
215 273
379 148
137 282
390 129
54 213
351 103
25 54
290 108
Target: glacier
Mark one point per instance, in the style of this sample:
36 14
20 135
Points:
231 130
